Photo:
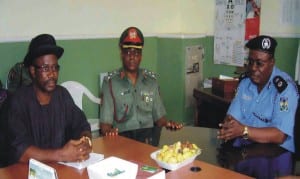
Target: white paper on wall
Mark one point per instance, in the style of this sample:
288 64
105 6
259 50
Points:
229 32
193 72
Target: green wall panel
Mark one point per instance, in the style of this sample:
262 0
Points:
85 59
209 68
170 70
286 54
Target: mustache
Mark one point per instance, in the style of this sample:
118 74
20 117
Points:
51 80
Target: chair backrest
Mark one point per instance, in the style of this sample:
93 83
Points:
77 90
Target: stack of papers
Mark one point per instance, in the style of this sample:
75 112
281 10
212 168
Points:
224 77
94 158
207 83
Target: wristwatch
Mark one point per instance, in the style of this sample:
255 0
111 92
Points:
245 133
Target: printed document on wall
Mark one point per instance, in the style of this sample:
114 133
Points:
230 32
193 69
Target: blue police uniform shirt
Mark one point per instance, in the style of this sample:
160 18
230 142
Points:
269 108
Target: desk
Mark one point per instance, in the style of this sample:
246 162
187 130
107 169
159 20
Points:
129 150
211 109
270 158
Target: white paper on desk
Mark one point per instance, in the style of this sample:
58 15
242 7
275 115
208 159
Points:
94 158
224 77
207 83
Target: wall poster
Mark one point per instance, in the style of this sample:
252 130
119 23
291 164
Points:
236 21
252 22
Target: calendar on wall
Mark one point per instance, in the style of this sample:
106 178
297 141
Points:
235 22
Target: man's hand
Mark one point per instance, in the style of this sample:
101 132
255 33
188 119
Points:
230 129
112 132
108 130
171 125
76 150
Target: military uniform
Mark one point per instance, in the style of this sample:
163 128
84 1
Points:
129 107
275 106
18 76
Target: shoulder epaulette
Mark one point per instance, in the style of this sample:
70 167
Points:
280 83
148 73
111 75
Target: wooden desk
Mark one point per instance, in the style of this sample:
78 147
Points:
129 150
211 109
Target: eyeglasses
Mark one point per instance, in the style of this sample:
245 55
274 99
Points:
47 68
258 63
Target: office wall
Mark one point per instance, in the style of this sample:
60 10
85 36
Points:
83 61
69 19
89 31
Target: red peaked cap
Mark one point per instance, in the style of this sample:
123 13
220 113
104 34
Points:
132 37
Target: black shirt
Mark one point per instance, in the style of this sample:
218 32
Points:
45 126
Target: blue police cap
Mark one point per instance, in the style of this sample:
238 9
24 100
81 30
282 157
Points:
263 43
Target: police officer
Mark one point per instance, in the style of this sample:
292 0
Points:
131 103
264 107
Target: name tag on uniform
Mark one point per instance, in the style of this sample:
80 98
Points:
39 170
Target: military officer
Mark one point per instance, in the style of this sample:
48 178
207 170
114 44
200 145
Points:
18 76
132 105
264 107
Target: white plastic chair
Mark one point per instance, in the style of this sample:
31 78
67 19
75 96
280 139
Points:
77 90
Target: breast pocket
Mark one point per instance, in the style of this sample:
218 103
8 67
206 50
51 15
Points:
264 114
146 101
123 103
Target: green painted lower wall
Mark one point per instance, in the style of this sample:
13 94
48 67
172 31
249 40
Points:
84 60
171 76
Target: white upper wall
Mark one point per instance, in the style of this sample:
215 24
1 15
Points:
270 20
21 20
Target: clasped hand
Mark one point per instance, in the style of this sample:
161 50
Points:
230 129
77 150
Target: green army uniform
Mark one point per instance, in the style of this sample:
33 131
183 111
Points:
129 107
18 76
